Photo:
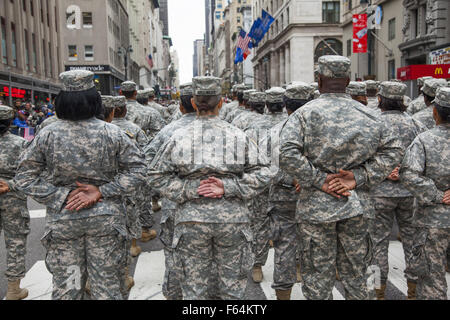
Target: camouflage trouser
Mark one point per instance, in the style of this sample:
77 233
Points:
260 226
344 244
285 243
91 246
146 214
133 222
198 245
386 209
15 222
171 286
429 254
125 263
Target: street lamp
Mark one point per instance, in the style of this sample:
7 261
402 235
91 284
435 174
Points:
124 52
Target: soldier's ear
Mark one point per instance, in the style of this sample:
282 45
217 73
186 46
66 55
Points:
219 106
193 104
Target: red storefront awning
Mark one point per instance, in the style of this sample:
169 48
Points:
422 70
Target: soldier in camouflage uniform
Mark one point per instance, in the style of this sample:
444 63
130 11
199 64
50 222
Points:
425 172
282 203
329 138
87 160
372 92
14 216
390 198
429 89
358 91
45 123
418 104
171 284
243 105
165 114
232 105
253 113
210 186
143 99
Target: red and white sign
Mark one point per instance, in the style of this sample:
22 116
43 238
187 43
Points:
360 33
423 70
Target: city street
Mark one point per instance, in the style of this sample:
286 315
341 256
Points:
148 269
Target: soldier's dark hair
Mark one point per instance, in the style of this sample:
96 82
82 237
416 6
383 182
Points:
391 104
372 92
275 107
258 107
107 112
120 112
295 104
4 125
240 96
187 104
429 98
444 113
128 94
207 103
143 101
81 105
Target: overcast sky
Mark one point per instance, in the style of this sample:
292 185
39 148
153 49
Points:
186 24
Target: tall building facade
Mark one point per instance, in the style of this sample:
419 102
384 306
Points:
95 36
383 56
198 57
30 50
164 15
303 31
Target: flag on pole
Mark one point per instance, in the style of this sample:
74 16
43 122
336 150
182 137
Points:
267 21
243 41
150 61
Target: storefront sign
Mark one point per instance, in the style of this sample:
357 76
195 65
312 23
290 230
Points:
422 70
360 33
441 56
15 92
96 68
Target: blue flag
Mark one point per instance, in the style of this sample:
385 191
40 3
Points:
239 56
267 21
256 32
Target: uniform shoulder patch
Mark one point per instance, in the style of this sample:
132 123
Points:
128 133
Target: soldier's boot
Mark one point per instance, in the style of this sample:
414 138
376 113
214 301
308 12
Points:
380 292
87 287
257 274
15 292
271 243
411 290
155 205
129 281
135 249
148 235
338 278
399 237
283 294
299 274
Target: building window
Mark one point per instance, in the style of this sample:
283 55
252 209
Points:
50 59
331 12
323 48
31 8
4 47
391 69
89 53
13 45
391 29
45 57
87 19
73 56
24 5
33 38
349 4
349 47
27 51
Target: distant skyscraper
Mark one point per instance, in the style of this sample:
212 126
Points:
164 15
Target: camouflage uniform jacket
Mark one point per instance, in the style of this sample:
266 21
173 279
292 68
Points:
418 104
133 131
406 128
234 113
246 119
164 112
173 108
225 153
176 116
328 134
45 123
372 102
11 146
228 108
89 151
425 172
426 117
147 119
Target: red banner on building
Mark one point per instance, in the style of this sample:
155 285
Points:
423 70
359 33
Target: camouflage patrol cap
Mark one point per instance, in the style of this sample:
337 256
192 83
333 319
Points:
392 90
443 97
356 88
6 113
77 80
299 91
396 80
315 85
119 101
128 86
108 101
150 92
430 86
334 66
186 89
239 88
142 94
257 97
247 93
316 94
372 85
207 86
420 81
275 95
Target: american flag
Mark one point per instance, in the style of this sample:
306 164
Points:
150 60
243 42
